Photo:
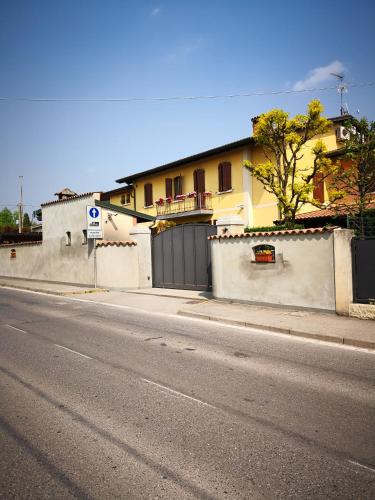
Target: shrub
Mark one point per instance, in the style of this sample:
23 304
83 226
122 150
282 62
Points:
263 229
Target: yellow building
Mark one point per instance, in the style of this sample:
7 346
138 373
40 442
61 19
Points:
211 185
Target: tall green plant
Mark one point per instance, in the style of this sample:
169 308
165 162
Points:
283 140
353 186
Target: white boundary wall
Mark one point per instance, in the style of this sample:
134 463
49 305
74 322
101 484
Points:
312 270
124 265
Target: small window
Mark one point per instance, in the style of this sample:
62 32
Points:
148 195
225 176
264 253
68 238
318 193
125 198
84 237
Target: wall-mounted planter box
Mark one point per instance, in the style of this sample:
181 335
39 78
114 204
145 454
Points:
264 253
264 258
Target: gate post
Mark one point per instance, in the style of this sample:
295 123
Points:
342 261
142 236
233 224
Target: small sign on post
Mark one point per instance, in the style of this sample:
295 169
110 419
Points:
94 223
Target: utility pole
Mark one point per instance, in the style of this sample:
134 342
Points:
20 207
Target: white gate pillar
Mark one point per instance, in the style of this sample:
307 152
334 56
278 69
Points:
233 224
142 236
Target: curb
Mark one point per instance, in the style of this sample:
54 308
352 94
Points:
50 292
286 331
170 296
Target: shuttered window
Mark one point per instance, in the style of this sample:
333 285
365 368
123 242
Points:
168 188
148 195
199 181
225 176
318 193
177 184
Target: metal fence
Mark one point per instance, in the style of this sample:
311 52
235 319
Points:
186 204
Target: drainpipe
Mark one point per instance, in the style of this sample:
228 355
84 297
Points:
135 199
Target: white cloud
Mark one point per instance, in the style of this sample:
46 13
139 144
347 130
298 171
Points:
319 75
155 11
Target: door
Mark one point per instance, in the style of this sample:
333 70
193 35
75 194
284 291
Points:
363 267
200 187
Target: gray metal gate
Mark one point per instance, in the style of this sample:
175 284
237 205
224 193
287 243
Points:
181 257
363 254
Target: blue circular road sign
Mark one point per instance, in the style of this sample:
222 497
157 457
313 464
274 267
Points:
94 212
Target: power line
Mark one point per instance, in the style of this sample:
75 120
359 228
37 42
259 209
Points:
180 98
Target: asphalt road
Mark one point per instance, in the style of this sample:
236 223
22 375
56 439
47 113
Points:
104 402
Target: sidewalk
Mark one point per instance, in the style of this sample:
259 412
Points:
302 323
309 324
46 286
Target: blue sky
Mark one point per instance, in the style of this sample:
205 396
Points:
118 48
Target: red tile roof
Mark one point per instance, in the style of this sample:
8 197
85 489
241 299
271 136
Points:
286 232
105 243
316 214
329 212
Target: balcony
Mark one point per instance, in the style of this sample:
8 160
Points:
184 206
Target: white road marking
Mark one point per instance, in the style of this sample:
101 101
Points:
363 466
14 328
178 393
71 350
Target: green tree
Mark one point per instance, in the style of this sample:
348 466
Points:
354 182
283 141
6 220
26 222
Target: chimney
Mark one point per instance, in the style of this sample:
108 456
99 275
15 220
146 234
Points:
65 194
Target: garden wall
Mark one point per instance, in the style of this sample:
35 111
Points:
311 268
117 265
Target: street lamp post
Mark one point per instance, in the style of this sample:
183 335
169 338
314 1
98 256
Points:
20 207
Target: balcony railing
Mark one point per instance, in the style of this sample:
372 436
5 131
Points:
200 202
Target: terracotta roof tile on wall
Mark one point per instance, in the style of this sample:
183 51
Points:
105 243
84 195
286 232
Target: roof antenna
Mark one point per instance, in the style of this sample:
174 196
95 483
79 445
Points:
342 88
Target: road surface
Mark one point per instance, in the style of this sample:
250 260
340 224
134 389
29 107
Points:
108 402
